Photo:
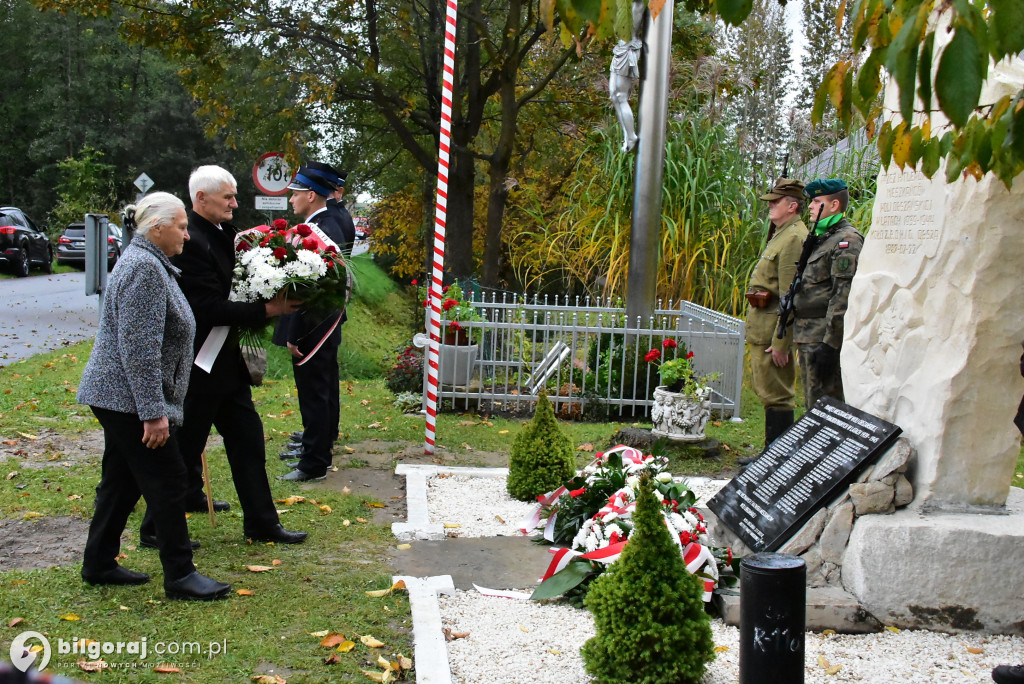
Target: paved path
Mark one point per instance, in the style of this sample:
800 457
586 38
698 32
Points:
44 312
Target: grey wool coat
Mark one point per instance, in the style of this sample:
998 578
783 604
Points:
142 357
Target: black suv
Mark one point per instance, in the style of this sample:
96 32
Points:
71 245
22 245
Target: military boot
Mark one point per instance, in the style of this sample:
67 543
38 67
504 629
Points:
776 421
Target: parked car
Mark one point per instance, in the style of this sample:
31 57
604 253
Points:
71 245
22 244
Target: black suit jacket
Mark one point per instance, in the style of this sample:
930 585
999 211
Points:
305 330
345 224
207 263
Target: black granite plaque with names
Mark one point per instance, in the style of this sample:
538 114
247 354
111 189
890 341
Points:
804 469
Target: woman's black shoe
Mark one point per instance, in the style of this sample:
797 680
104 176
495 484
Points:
117 575
278 534
148 542
196 587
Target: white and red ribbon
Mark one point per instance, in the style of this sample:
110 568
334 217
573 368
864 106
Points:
440 217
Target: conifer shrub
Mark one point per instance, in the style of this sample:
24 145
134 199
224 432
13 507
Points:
648 610
542 457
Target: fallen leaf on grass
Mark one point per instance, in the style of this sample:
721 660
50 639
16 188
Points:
385 663
166 669
320 634
400 584
91 665
28 436
502 432
463 423
346 490
465 445
124 607
325 509
349 450
70 617
362 520
11 475
292 500
10 442
332 640
276 561
377 676
332 659
373 504
246 592
404 547
15 621
31 515
404 663
74 497
258 568
269 679
346 646
370 641
585 447
19 582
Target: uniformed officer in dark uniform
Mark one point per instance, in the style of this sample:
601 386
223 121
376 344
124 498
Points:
772 363
820 303
316 378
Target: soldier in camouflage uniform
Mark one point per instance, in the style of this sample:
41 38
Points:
772 366
820 303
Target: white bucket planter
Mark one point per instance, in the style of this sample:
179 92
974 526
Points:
456 363
679 417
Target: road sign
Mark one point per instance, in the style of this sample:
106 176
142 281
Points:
143 183
271 174
266 203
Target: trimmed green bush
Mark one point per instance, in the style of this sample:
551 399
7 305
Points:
648 610
542 456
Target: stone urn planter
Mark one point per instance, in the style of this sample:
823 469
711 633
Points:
679 417
457 358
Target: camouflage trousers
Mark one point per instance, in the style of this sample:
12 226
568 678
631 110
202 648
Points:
774 386
815 384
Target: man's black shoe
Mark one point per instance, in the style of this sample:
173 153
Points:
293 464
201 507
196 587
150 542
1008 674
301 476
293 453
293 445
297 436
277 533
746 460
116 575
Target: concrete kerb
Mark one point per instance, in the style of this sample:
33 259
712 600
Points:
418 525
430 650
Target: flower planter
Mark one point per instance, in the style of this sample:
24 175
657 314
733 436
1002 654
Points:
456 363
679 417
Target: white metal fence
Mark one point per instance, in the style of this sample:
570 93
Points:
584 354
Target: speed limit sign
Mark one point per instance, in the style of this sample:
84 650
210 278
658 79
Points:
271 174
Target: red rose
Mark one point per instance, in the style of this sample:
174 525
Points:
669 344
426 303
329 262
280 224
303 230
280 253
264 241
684 537
242 246
728 552
448 304
689 355
576 492
454 325
310 244
652 355
414 282
331 249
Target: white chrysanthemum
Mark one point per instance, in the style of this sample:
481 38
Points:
678 522
611 516
659 495
690 518
591 544
632 482
664 477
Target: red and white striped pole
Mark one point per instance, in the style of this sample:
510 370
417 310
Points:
437 274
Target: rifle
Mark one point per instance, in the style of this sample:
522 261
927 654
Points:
786 308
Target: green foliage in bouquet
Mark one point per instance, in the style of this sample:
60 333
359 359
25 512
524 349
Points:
542 456
648 610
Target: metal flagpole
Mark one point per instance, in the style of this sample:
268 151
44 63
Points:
642 281
440 215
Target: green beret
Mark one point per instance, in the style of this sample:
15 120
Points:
824 186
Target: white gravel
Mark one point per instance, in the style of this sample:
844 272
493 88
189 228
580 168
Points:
481 506
519 642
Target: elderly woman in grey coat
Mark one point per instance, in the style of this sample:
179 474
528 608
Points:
135 383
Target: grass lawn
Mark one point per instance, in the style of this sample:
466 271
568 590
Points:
311 588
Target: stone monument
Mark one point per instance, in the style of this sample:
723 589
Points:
933 341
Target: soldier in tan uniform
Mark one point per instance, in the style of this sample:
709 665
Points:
772 365
820 303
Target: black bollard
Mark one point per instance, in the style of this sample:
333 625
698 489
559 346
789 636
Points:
773 611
